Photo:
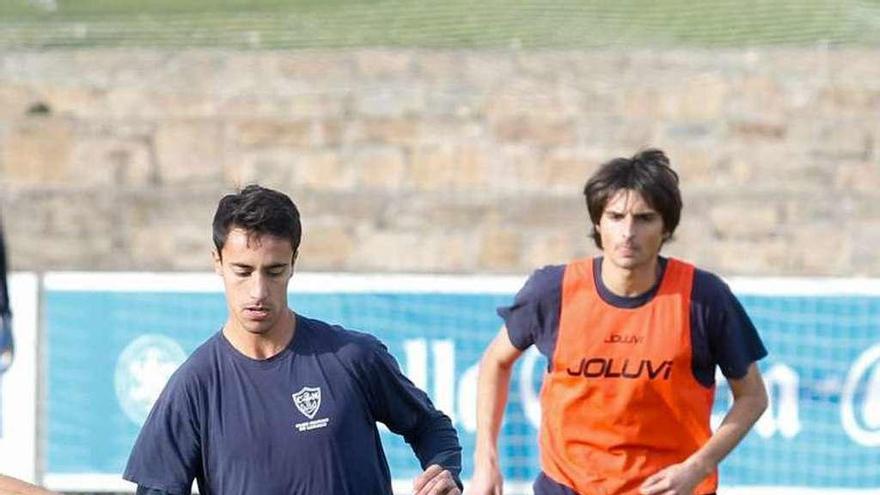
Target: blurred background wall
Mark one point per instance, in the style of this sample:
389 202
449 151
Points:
438 159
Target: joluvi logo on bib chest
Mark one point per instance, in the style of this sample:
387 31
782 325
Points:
308 401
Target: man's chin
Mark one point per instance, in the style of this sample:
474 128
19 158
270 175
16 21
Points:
257 327
628 262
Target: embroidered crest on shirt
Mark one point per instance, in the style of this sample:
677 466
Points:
308 401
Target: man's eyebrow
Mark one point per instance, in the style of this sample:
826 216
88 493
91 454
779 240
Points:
251 267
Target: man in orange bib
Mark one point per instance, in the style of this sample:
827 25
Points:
632 340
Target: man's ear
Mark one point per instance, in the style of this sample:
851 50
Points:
218 262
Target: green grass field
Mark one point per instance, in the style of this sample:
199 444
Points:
274 24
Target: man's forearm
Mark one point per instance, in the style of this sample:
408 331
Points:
492 391
437 443
12 486
492 388
736 424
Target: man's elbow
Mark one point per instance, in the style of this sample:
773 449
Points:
490 362
500 355
762 401
498 360
753 391
757 402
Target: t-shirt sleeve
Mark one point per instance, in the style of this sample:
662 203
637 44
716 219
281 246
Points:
167 454
535 309
395 401
734 343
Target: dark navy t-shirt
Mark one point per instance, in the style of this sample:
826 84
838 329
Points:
300 422
721 332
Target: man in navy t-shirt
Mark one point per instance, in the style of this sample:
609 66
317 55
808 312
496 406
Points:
277 403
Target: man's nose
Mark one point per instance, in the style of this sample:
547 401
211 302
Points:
259 287
628 226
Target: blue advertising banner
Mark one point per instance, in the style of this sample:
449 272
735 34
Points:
109 351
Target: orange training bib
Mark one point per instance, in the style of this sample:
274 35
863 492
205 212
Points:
621 402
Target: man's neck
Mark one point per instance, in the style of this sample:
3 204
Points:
630 282
261 345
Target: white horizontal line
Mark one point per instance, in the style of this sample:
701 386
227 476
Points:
132 282
300 283
88 482
795 286
419 283
98 482
794 490
406 283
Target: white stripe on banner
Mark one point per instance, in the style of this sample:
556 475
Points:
88 482
420 283
301 282
109 483
805 287
793 490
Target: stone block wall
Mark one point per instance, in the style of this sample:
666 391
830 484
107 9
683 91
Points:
438 161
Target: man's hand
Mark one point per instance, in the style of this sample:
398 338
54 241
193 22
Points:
749 402
486 481
678 479
435 481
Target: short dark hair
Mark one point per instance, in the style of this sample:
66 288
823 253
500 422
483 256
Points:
648 172
257 210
